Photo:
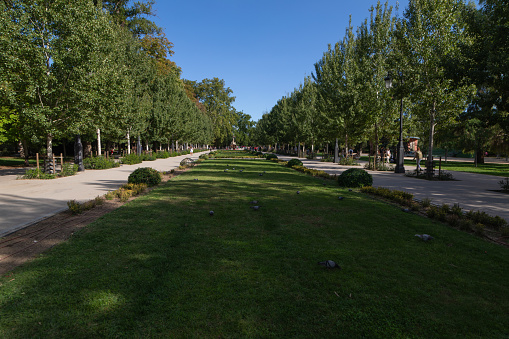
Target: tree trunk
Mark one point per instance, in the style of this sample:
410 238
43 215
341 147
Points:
128 143
87 149
375 163
480 156
429 162
347 153
49 146
98 142
24 151
336 152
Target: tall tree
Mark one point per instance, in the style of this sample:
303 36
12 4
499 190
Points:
53 55
428 37
217 99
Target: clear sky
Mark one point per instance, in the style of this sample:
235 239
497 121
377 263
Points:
263 49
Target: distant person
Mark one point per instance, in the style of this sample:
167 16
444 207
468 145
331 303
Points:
388 156
192 150
418 158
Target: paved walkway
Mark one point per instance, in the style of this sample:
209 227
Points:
23 202
471 191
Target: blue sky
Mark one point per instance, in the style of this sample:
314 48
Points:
263 49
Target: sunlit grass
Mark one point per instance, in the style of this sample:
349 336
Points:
161 266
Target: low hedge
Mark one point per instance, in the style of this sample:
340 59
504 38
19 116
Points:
355 177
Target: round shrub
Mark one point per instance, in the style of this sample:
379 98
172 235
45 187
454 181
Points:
145 175
294 162
355 177
271 156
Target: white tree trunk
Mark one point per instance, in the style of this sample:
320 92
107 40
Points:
98 142
128 143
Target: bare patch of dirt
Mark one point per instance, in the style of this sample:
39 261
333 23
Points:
21 246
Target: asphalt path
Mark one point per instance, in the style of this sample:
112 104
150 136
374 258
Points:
471 191
24 202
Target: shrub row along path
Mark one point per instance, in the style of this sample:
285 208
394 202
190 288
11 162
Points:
24 202
471 191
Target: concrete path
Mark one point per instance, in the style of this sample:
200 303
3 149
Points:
23 202
470 191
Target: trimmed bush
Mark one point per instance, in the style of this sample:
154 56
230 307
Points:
145 175
294 162
355 177
271 156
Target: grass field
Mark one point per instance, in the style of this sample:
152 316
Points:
161 266
17 162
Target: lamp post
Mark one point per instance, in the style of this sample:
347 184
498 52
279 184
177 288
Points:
400 158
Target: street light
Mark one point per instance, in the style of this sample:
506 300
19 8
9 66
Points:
400 167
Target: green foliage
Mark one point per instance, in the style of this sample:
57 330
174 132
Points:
355 177
162 155
294 162
99 162
148 157
78 208
400 197
68 170
37 174
348 161
271 157
504 185
75 207
131 159
126 191
145 175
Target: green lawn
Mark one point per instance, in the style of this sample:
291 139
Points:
161 266
17 162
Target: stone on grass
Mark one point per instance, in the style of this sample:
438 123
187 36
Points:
425 237
329 264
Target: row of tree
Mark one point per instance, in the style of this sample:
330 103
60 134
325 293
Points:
449 64
101 69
